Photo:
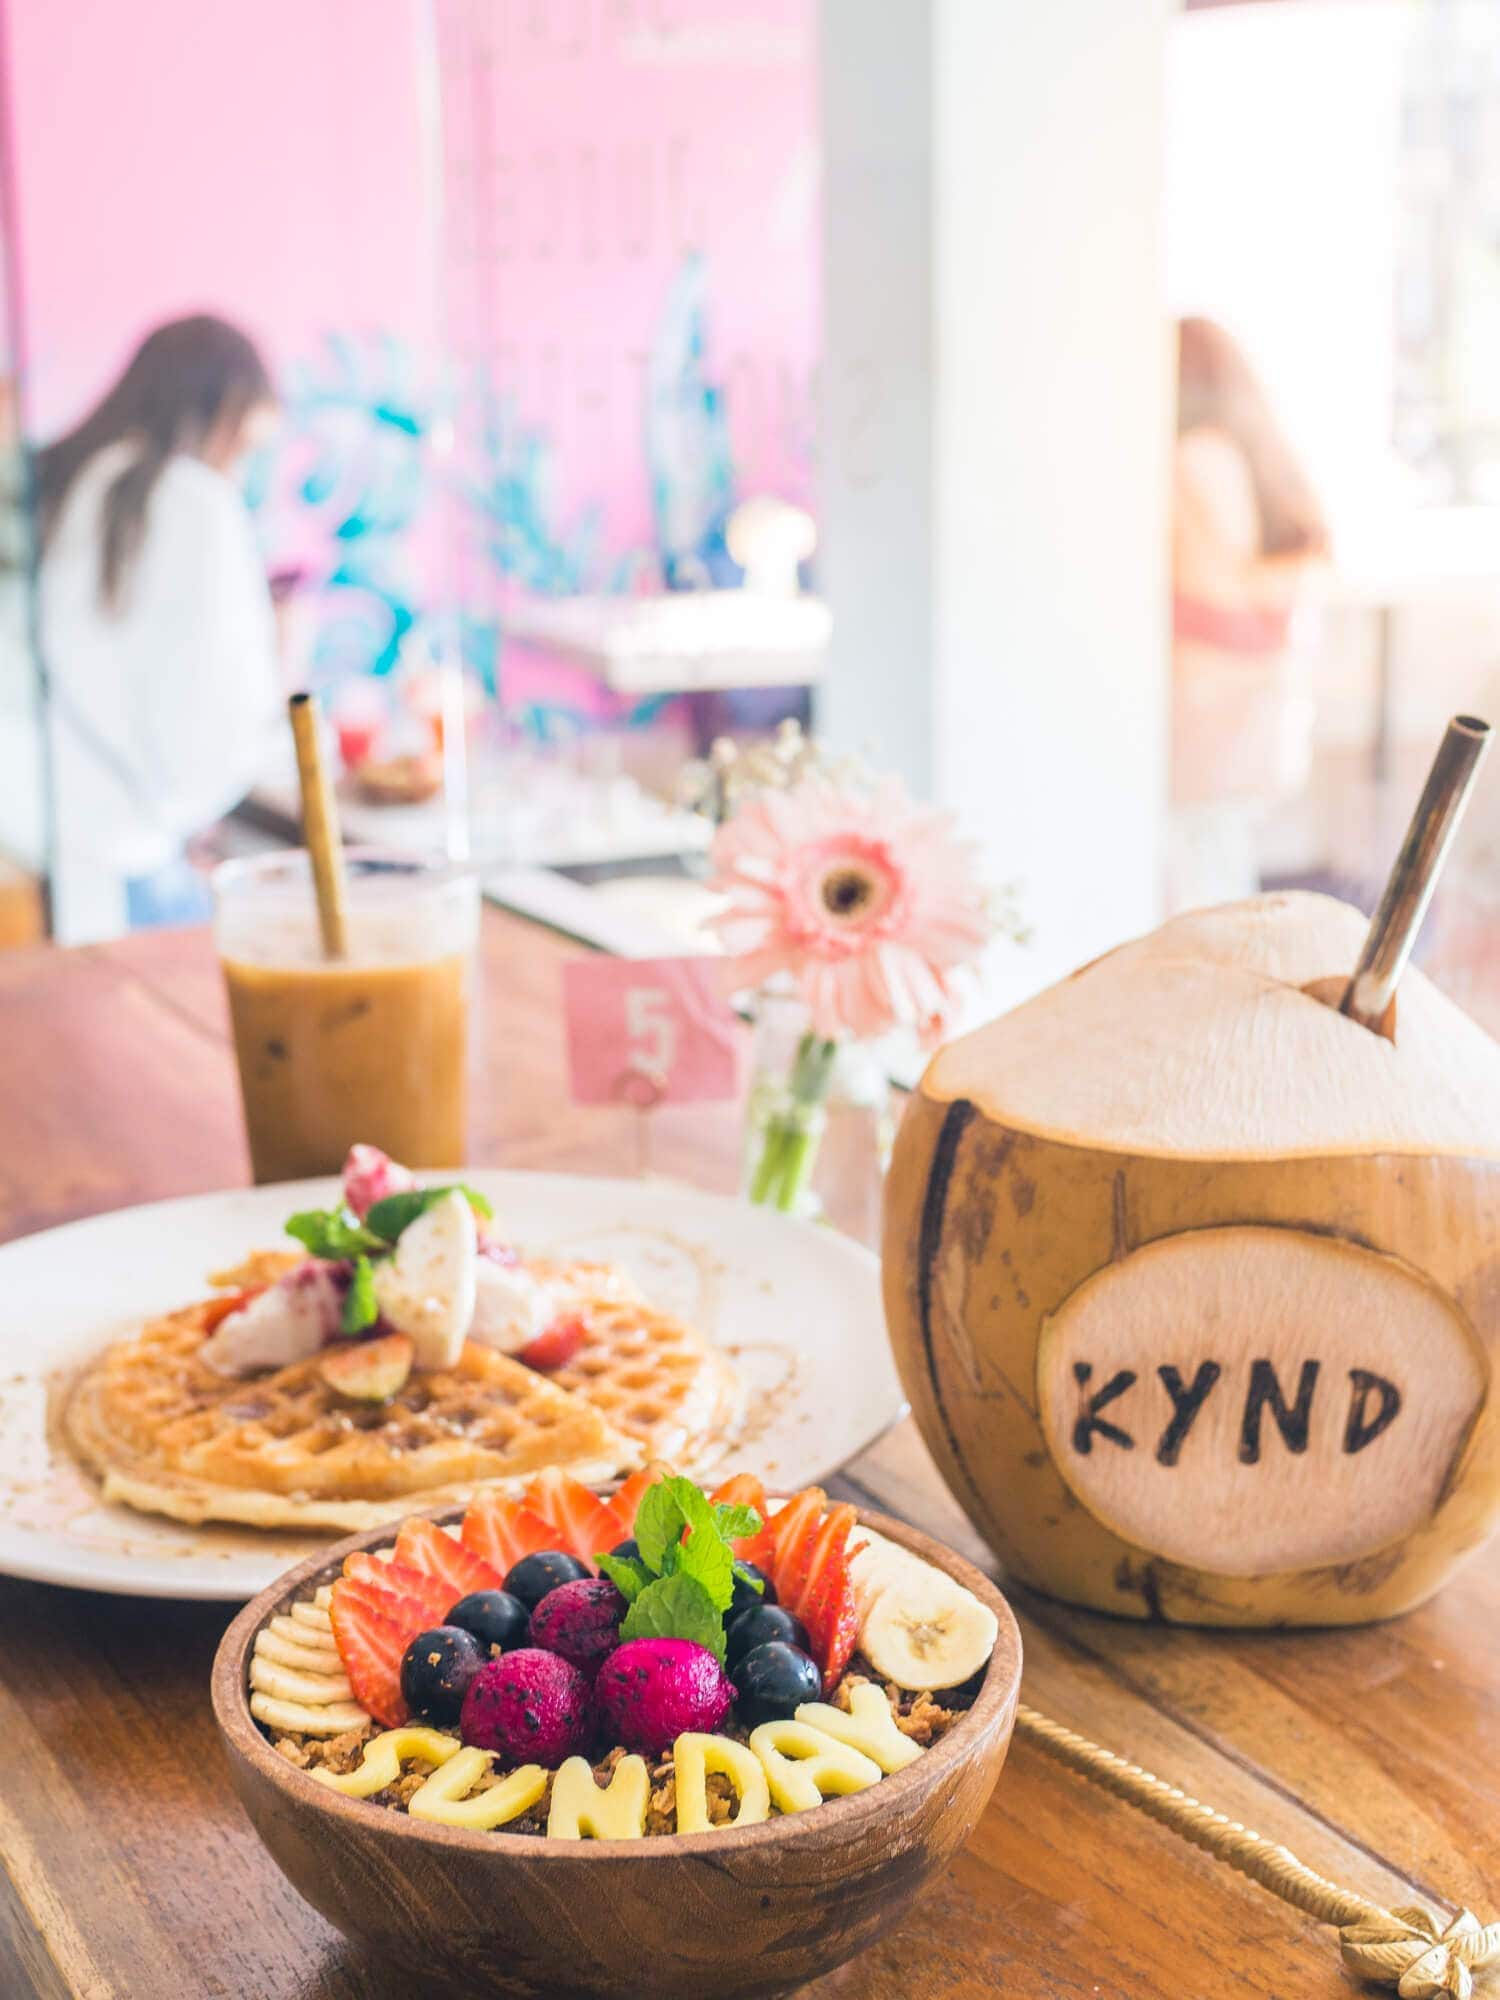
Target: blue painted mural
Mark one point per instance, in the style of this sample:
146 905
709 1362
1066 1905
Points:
376 466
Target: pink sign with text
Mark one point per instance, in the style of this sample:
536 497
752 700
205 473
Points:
650 1031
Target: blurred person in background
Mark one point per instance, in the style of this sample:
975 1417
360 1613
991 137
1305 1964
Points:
1247 533
156 627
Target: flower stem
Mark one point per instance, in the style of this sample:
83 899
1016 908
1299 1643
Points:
794 1129
768 1169
801 1153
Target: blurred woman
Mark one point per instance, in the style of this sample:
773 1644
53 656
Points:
1247 531
156 628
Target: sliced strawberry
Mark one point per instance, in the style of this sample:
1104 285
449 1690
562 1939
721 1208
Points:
370 1647
409 1597
839 1630
423 1545
370 1175
795 1526
827 1603
216 1311
743 1490
760 1548
584 1524
501 1531
624 1503
555 1345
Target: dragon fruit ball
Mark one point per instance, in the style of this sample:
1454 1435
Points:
650 1690
580 1621
530 1706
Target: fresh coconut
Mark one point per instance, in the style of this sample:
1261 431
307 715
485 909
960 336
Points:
1194 1283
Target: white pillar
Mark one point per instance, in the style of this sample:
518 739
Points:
996 437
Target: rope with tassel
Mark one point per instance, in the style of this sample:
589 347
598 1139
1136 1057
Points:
1404 1948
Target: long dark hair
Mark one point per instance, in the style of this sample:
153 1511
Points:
183 381
1216 386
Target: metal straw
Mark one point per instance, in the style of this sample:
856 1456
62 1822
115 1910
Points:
1395 924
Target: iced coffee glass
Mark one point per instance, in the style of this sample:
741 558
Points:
371 1046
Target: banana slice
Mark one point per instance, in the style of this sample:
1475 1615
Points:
297 1679
317 1640
426 1288
304 1718
875 1562
290 1684
275 1646
922 1630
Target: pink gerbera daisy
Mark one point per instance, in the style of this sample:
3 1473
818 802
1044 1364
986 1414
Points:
868 901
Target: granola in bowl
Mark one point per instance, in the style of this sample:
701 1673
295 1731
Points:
661 1661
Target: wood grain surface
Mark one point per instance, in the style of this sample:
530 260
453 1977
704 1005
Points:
131 1873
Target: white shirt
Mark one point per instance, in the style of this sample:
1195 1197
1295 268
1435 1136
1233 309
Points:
162 706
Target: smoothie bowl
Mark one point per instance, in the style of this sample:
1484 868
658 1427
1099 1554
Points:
526 1751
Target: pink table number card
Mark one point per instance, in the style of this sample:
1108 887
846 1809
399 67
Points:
650 1031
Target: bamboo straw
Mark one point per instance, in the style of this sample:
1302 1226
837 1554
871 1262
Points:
1395 924
320 826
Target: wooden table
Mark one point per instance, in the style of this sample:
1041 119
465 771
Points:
131 1874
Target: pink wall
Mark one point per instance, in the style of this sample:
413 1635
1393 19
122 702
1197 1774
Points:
271 163
175 154
591 148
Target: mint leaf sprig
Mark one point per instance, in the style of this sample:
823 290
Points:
337 1233
398 1211
334 1234
339 1237
361 1308
681 1584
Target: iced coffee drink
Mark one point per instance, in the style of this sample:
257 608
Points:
373 1045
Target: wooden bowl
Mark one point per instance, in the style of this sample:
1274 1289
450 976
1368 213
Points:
749 1911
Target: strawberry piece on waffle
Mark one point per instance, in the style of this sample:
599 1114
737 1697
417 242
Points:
555 1345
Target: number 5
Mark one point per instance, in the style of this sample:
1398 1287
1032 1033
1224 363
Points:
650 1029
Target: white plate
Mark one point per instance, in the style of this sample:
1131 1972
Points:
797 1307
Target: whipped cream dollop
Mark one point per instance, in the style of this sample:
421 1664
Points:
289 1321
426 1288
512 1306
440 1285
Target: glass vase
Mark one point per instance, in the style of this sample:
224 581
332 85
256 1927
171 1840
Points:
818 1123
859 1131
785 1112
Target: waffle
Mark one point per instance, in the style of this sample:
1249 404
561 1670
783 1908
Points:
168 1435
646 1373
261 1267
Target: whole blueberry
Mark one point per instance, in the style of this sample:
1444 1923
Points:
772 1680
746 1576
630 1548
534 1576
758 1626
436 1670
494 1617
